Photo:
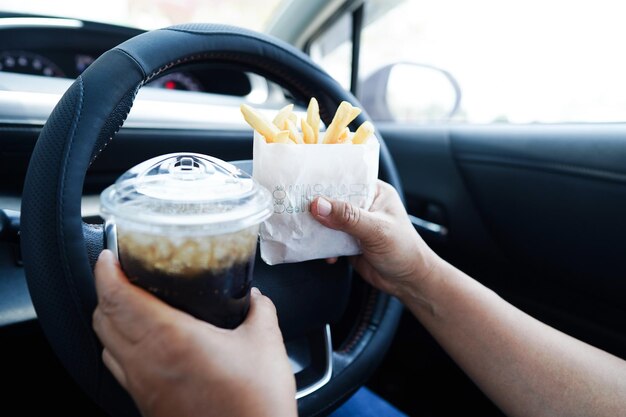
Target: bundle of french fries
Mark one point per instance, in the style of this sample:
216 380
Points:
284 127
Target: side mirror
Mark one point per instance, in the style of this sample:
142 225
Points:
410 92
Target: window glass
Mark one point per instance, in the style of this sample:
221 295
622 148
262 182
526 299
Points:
332 49
530 61
152 14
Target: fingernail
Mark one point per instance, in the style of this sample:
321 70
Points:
323 207
105 254
109 257
255 291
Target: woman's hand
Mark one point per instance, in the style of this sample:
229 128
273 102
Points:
395 259
175 365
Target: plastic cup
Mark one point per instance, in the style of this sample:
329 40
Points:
186 228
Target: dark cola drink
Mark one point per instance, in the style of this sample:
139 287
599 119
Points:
208 277
185 228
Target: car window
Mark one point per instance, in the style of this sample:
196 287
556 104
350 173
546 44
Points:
153 14
514 62
332 49
51 59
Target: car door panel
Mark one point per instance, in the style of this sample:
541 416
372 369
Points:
430 176
553 198
548 203
533 212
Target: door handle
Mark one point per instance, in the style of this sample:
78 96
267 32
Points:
429 229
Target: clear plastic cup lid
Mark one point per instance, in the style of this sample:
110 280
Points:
186 190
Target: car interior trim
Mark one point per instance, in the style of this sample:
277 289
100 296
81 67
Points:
153 108
425 225
110 237
39 22
328 350
549 166
298 31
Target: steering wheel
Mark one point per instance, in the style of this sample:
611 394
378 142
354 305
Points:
60 250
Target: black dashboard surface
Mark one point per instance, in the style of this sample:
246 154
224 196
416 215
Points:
65 51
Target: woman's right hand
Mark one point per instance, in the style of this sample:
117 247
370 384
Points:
173 364
395 259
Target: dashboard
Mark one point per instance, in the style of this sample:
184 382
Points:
70 64
53 49
39 59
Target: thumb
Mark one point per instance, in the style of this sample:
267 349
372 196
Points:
340 215
262 314
109 276
130 308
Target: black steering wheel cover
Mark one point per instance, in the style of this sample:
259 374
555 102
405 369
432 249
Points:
59 250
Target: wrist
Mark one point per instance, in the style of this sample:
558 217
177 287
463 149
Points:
416 287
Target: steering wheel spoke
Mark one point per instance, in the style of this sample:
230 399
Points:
311 359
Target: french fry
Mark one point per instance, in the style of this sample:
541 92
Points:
345 136
313 118
363 133
344 115
282 115
307 132
284 127
283 137
259 123
354 112
294 134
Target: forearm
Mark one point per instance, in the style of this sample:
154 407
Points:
526 367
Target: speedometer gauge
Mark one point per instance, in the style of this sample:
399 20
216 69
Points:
176 81
28 63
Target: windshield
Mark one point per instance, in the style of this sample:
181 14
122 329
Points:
152 14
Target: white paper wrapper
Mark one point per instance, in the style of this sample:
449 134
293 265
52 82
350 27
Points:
295 175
